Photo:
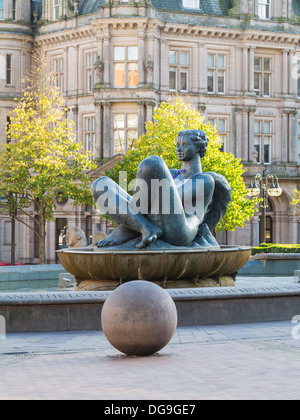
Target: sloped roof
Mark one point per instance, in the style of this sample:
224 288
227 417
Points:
210 7
296 7
91 6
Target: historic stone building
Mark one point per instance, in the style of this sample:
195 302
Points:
238 62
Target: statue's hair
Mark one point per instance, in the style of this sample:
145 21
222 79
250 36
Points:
199 137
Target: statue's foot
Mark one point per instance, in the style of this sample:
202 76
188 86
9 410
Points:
149 236
119 236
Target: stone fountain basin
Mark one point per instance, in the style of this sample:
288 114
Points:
105 269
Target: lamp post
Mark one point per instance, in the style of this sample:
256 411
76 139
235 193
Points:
260 187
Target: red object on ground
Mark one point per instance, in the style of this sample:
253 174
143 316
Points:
2 264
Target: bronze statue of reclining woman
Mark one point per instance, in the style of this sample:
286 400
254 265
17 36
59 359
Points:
169 207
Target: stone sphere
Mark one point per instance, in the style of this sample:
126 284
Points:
139 318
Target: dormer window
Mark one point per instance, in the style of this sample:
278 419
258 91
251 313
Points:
264 9
190 4
56 9
1 9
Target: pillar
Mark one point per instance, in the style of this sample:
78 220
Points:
245 135
203 69
141 62
284 136
98 146
245 87
251 134
106 56
141 118
107 146
164 66
285 72
251 69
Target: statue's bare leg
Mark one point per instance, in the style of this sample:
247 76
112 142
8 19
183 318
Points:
114 201
178 229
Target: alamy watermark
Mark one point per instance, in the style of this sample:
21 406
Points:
2 328
160 196
296 329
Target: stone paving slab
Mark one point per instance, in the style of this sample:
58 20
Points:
247 361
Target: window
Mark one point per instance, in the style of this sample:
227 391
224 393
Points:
56 9
125 131
178 70
90 134
14 10
299 142
216 73
221 125
58 68
8 69
263 140
126 67
298 78
90 60
190 4
264 7
262 76
1 9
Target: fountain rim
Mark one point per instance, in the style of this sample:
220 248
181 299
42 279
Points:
97 251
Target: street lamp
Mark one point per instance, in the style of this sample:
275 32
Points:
261 187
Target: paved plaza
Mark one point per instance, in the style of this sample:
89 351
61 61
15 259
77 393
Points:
243 361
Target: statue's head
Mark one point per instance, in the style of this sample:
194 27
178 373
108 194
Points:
199 139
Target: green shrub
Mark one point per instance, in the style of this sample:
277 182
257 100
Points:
276 249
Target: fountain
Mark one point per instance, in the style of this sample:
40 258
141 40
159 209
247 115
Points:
164 233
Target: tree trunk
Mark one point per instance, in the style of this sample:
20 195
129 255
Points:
42 247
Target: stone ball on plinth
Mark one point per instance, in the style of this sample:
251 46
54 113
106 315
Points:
139 318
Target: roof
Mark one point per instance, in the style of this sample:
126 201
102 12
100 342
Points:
209 7
91 6
296 7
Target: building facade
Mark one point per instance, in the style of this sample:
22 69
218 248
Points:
237 62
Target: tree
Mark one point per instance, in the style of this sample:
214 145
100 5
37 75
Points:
296 201
160 139
43 162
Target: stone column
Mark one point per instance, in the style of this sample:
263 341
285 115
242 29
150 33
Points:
285 72
141 62
141 118
107 144
255 231
150 105
245 136
98 118
164 66
245 87
251 69
284 136
106 57
149 63
66 69
238 133
156 63
203 68
293 137
293 82
251 133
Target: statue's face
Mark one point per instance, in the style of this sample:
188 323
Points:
186 149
